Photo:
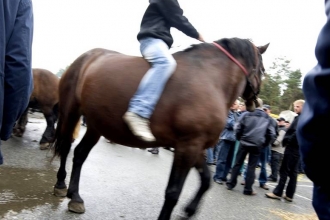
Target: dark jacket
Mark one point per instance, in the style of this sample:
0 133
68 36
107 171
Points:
160 16
313 135
16 82
290 141
255 129
228 133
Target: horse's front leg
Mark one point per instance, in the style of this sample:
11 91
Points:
205 176
184 159
80 154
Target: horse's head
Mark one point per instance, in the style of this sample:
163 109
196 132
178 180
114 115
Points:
254 79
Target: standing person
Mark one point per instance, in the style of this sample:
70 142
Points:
277 150
227 146
289 167
254 131
16 82
312 136
212 154
265 153
241 110
155 40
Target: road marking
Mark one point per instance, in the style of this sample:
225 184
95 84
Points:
305 186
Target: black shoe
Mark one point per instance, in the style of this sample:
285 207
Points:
253 193
271 179
229 187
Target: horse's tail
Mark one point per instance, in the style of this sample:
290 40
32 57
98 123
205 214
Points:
68 109
55 112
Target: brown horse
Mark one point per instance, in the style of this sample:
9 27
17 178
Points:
45 99
189 116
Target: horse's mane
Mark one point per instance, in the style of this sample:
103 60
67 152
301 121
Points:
235 46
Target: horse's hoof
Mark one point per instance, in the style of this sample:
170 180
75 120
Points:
76 207
60 192
190 211
44 146
18 134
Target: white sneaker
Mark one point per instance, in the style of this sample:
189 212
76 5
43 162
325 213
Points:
139 126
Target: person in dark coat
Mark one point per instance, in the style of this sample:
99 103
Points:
16 80
313 135
255 131
155 40
291 158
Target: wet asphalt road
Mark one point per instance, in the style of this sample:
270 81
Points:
119 182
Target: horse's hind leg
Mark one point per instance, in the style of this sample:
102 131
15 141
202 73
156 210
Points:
19 128
80 154
60 188
205 176
48 135
184 159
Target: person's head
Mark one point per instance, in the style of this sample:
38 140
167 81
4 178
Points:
266 108
298 106
281 121
234 107
242 107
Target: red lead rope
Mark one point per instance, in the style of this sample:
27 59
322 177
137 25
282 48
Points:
231 57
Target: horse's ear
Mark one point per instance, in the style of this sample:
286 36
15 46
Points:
262 49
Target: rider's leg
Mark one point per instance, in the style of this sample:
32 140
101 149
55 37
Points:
142 105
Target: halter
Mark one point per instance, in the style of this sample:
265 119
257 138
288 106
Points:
255 94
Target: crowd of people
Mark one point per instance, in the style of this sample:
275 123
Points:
266 141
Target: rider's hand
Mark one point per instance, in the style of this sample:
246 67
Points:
200 38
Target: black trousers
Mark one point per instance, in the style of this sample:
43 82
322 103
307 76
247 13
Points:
254 153
276 161
289 168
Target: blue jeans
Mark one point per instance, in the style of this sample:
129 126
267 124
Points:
212 153
225 158
263 160
157 53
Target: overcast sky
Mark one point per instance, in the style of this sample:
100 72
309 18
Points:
64 29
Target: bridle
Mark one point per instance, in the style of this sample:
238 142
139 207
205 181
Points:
253 72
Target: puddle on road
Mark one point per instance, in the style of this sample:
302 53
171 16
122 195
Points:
26 189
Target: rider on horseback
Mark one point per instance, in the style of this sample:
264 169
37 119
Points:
155 40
